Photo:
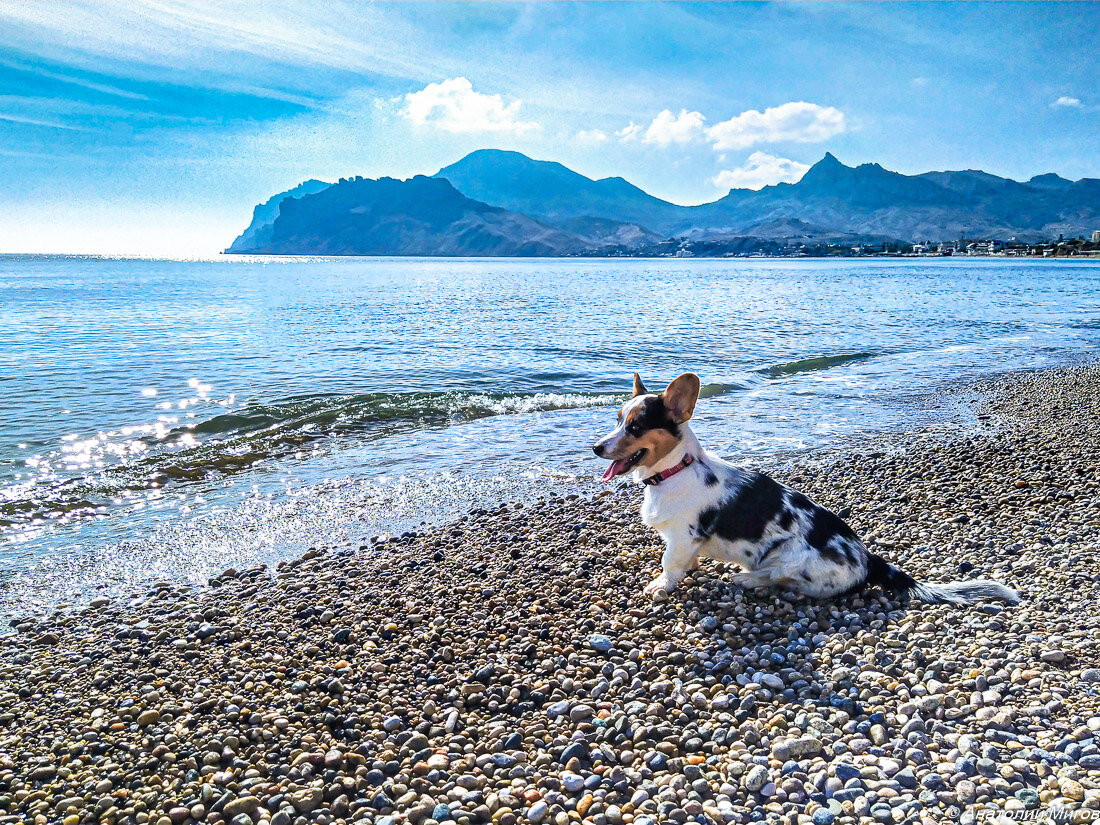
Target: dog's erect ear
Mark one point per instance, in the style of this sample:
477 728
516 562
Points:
639 387
680 396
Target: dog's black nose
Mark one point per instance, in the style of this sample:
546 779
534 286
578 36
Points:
598 449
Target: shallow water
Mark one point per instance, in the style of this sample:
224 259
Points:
169 419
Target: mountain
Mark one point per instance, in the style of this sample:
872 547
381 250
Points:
608 235
1050 181
419 216
504 203
552 193
263 216
868 200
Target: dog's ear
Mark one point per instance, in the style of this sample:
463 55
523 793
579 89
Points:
639 387
680 396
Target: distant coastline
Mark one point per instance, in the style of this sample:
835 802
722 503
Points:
1076 249
505 204
1073 250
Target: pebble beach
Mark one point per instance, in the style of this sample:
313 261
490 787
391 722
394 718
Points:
506 668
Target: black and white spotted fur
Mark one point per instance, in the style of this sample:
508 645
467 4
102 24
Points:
778 536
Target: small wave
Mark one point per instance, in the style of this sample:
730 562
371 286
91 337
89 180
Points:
821 362
352 412
235 441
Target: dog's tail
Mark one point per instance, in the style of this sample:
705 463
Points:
895 580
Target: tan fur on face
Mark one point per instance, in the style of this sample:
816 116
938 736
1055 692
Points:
657 443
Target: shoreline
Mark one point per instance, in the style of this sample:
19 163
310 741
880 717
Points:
505 667
210 257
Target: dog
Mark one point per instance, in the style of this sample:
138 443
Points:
704 507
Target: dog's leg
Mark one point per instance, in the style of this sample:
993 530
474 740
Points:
680 555
753 579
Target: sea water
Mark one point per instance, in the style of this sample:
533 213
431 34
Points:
167 419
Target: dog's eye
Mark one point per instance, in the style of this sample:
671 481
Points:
633 430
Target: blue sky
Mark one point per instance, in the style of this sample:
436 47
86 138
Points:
154 128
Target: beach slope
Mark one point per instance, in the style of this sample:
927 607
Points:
506 668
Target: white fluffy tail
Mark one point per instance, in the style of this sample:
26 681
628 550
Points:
895 580
964 593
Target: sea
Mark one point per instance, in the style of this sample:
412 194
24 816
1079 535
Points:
163 420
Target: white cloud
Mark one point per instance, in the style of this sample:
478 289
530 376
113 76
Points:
1069 102
918 82
591 136
799 121
30 121
760 170
454 106
628 133
668 128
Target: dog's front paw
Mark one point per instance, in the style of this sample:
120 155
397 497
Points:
660 586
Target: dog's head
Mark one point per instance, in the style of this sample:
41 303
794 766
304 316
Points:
650 425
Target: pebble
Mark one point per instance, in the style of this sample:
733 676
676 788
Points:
845 771
572 782
600 643
393 723
756 778
770 680
558 709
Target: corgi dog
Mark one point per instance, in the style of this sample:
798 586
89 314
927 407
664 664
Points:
704 507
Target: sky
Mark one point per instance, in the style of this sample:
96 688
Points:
153 128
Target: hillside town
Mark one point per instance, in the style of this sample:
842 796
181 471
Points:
1061 248
753 247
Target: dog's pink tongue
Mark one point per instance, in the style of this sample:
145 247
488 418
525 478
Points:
615 468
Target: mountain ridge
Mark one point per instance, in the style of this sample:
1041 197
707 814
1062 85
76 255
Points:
264 215
419 216
548 207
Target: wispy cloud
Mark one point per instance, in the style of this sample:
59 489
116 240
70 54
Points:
42 72
77 115
454 106
592 137
760 170
668 128
280 48
30 121
1067 102
629 132
799 121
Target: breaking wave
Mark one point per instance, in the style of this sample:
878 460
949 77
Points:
121 462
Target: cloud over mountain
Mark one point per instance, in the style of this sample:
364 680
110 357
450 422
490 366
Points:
668 128
760 170
799 121
454 106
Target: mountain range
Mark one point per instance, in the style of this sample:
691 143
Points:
495 202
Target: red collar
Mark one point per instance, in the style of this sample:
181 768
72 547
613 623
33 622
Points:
664 475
